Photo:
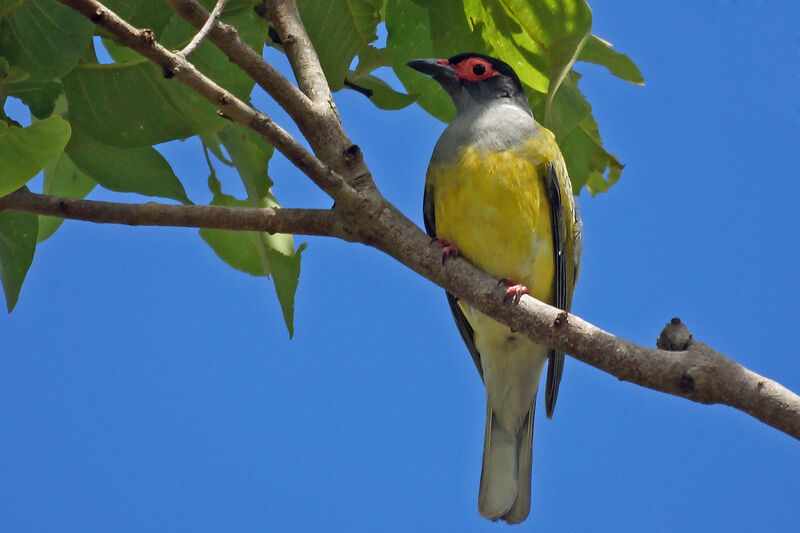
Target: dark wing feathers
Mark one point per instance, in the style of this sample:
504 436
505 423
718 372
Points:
555 366
467 334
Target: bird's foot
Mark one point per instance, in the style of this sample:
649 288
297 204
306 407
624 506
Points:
514 291
449 250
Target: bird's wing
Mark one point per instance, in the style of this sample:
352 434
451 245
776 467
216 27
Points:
466 331
566 242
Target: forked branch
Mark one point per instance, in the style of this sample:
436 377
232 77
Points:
204 30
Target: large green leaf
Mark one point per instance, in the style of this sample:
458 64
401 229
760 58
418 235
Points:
141 170
17 245
132 104
42 37
62 178
339 29
24 152
600 52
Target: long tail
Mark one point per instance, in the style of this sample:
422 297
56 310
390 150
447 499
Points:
505 491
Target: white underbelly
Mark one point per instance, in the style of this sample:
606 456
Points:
512 367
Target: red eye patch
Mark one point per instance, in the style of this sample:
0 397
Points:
473 69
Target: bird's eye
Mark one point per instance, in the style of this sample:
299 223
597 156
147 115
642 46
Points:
479 70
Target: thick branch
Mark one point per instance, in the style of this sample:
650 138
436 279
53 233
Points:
210 23
174 65
699 373
323 222
301 53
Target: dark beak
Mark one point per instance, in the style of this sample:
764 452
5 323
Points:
439 69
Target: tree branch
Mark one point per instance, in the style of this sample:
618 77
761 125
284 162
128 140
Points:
301 53
174 65
324 222
317 120
697 373
210 23
227 39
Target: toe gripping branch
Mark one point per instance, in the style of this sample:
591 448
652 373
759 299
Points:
514 291
448 250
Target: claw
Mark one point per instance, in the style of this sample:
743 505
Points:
514 291
448 250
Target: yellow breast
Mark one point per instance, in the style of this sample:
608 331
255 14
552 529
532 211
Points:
493 206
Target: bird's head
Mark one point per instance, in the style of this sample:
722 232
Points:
474 80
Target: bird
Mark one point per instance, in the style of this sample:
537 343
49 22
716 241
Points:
497 193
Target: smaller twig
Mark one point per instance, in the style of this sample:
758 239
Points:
200 35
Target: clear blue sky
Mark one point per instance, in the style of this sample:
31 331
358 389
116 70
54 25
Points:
146 386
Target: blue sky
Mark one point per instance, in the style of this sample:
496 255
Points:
144 385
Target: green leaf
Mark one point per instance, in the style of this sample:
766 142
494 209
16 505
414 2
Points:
132 104
600 52
140 170
285 276
587 160
258 254
246 251
40 96
43 37
339 29
568 108
409 37
370 58
237 248
17 245
142 14
250 154
379 92
11 74
517 45
213 143
24 152
62 178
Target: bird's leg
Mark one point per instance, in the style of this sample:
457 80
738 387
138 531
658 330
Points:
514 291
450 250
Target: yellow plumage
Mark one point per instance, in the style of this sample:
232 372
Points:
494 207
